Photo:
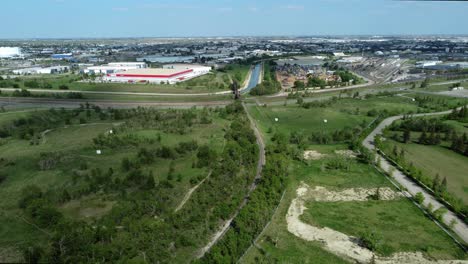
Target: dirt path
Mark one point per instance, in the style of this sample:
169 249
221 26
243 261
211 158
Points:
253 186
339 243
460 228
189 193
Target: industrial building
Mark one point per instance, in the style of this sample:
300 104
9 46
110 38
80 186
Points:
170 74
114 67
40 70
10 52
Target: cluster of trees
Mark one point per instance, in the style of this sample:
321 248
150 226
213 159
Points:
30 127
270 84
316 82
459 114
142 225
254 216
460 144
433 103
434 131
8 83
346 134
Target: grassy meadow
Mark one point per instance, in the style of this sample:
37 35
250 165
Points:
399 224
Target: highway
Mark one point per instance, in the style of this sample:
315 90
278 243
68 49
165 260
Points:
40 102
460 228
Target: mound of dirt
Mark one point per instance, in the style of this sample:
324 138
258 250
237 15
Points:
321 194
313 155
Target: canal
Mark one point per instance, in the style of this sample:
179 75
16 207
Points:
254 78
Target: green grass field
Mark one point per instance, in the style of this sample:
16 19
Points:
398 224
433 160
346 112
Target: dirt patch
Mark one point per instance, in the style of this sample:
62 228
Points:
336 242
321 194
346 153
313 155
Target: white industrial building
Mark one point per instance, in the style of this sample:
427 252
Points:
423 64
114 67
40 70
10 52
170 74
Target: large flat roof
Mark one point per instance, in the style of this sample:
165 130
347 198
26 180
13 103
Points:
153 73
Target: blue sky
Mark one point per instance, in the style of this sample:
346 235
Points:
156 18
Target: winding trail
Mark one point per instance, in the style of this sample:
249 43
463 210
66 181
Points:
253 186
189 193
460 228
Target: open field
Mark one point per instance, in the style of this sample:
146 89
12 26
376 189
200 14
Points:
398 224
345 112
433 160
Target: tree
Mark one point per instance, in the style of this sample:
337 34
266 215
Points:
299 85
235 89
300 100
170 173
436 183
424 83
395 151
423 138
32 254
406 135
443 186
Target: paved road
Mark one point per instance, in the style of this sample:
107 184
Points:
460 228
253 186
24 102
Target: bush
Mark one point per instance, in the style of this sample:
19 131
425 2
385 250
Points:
63 87
419 198
371 241
3 177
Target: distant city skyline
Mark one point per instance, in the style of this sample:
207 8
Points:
191 18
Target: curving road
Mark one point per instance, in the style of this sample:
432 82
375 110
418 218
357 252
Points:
460 228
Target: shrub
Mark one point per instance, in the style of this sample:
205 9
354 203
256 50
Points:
419 197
